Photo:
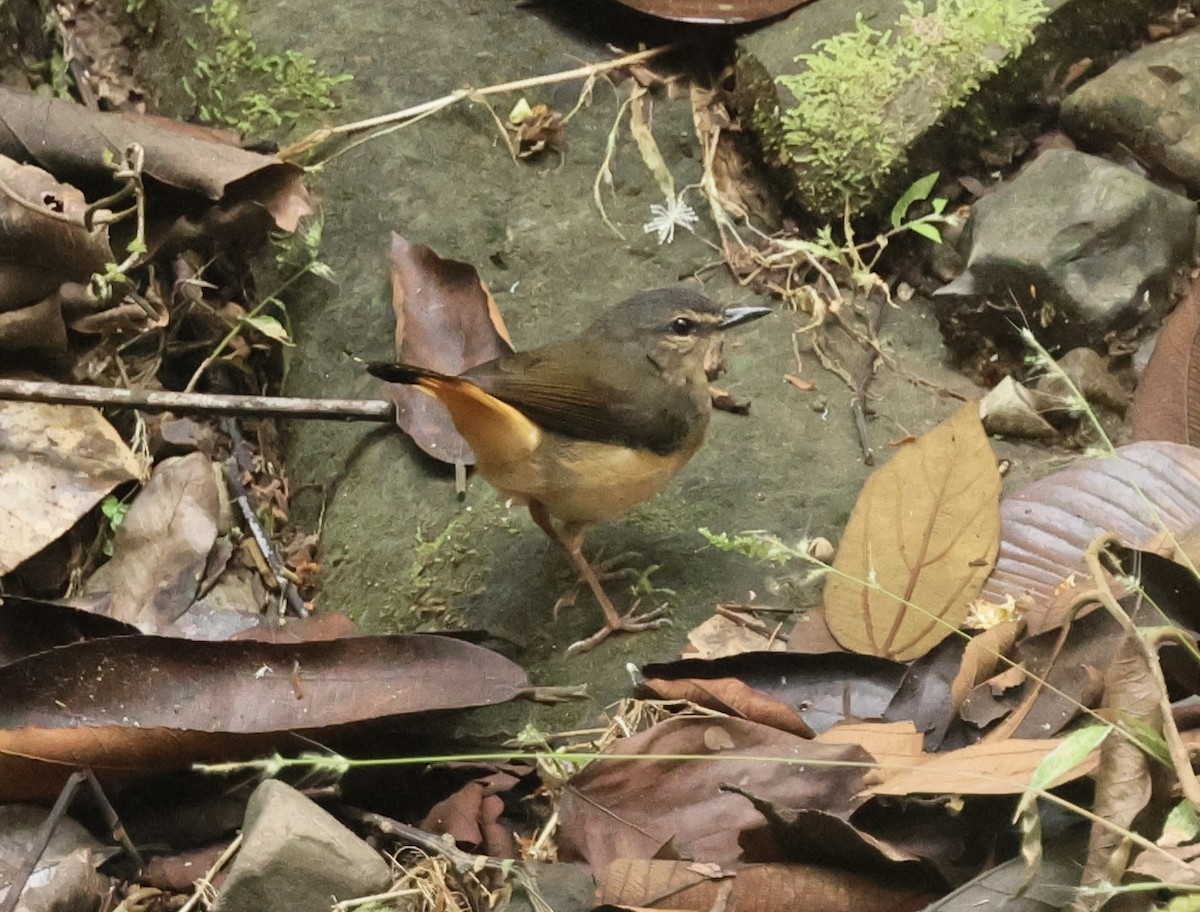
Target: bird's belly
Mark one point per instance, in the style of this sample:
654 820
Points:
586 482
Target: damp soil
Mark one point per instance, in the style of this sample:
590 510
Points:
402 550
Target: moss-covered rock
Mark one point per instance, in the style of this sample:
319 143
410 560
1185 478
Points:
854 102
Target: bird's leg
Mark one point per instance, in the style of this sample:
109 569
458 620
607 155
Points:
606 570
570 538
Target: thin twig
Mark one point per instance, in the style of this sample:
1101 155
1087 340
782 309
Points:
205 883
378 410
244 321
317 137
278 570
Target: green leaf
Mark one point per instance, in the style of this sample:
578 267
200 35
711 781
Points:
918 191
1069 754
927 231
1184 819
114 511
270 327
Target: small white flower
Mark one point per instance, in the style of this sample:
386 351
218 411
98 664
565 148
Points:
675 212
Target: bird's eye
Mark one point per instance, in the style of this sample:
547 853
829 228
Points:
682 326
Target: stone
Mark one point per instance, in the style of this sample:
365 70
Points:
1150 103
295 857
1009 410
1054 250
1089 372
896 117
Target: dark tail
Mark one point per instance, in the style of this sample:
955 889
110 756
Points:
402 373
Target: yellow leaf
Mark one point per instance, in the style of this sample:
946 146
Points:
919 545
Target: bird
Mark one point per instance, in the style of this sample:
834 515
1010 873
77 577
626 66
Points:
583 430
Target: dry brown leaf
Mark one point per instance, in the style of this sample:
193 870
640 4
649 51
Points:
981 658
1166 405
1133 790
735 698
56 463
891 744
128 705
811 634
44 242
63 137
925 531
160 550
447 321
755 888
631 808
987 768
721 636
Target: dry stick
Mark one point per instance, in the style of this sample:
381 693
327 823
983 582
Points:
317 137
378 410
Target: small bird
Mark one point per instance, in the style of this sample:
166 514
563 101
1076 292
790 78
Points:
583 430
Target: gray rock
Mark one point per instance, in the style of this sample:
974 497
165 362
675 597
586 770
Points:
883 119
1089 372
1009 410
1074 247
1148 102
295 857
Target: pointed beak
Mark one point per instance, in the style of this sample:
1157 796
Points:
736 316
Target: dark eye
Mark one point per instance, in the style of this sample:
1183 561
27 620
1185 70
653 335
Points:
682 326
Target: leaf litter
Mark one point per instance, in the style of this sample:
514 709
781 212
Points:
670 834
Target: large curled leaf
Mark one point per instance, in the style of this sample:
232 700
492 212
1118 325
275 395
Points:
1141 490
128 705
446 320
919 544
1166 405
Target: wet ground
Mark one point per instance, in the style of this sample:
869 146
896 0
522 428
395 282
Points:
402 552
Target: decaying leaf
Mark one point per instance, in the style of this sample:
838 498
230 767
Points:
919 545
66 138
734 698
44 241
890 744
445 320
1166 405
824 689
762 888
982 657
1047 525
987 768
65 876
129 705
1133 790
56 463
623 808
160 550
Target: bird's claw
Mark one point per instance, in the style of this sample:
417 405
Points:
630 622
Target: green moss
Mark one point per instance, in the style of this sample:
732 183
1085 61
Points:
233 84
866 94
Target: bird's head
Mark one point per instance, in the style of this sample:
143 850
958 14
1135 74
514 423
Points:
680 330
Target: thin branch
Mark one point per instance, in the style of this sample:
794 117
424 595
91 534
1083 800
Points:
378 410
317 137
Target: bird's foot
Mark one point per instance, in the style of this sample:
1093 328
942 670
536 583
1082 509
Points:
606 571
630 622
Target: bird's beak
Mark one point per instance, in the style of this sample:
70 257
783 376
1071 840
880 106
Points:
736 316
